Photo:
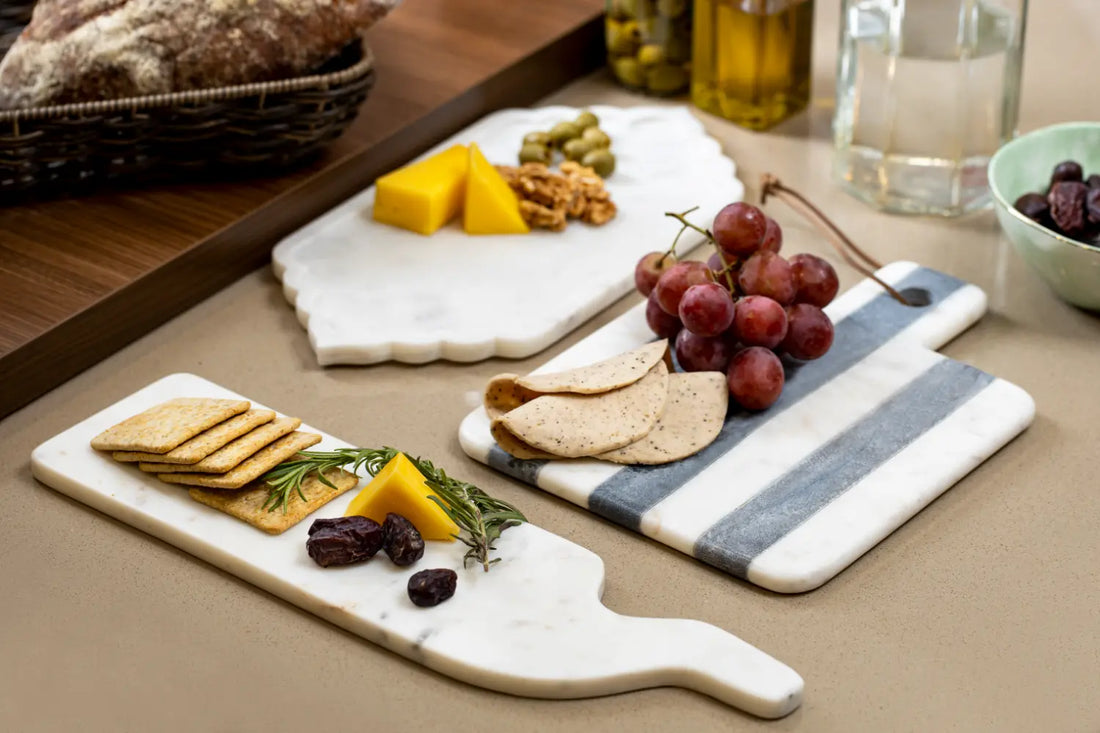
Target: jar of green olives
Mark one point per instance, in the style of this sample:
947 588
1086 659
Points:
649 44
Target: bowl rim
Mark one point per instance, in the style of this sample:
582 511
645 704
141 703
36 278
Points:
995 190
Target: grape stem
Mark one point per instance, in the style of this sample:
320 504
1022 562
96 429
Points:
727 266
684 228
845 247
682 218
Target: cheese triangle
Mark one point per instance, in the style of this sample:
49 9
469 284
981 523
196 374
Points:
491 205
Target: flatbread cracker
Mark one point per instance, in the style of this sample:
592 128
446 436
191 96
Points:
232 455
247 504
503 394
575 425
692 419
205 442
252 468
603 376
165 426
515 447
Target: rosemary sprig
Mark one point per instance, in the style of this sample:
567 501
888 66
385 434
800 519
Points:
475 512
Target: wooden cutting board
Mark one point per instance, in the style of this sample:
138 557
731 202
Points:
532 626
859 442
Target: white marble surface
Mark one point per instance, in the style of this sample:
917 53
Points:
367 292
532 626
710 513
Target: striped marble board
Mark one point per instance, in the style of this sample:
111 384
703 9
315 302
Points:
860 441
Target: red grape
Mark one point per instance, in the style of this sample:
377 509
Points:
766 273
717 263
760 321
663 324
773 236
739 229
701 353
649 269
706 309
809 332
815 280
678 278
755 378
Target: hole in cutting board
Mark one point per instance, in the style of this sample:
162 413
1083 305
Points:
917 297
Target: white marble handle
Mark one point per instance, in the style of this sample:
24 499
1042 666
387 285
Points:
700 657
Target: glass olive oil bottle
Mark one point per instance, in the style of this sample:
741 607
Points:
751 59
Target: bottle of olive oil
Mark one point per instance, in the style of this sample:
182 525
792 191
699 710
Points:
751 59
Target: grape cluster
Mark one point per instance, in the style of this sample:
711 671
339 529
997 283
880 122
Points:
744 307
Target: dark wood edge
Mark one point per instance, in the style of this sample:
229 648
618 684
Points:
88 337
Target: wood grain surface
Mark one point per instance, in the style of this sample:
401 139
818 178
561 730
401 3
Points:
81 278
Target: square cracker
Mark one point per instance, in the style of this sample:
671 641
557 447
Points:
247 504
163 427
227 458
252 468
204 443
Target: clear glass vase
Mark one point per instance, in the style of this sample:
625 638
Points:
927 90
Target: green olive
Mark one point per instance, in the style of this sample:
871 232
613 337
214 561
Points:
651 54
597 137
576 148
629 71
563 131
535 153
624 8
671 8
678 48
601 161
622 38
537 138
586 119
666 78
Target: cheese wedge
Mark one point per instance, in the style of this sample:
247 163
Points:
400 488
492 207
423 196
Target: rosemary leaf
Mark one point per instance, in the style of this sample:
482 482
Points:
479 515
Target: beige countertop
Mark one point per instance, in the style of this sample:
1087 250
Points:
982 613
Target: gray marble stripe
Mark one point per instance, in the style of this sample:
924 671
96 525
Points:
525 471
735 540
631 492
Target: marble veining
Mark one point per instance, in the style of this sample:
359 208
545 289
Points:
532 626
367 292
888 423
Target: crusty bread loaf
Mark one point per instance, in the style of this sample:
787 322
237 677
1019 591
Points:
85 50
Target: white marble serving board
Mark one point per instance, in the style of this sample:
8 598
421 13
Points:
368 292
859 442
532 626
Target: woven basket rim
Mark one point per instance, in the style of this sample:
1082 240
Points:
214 94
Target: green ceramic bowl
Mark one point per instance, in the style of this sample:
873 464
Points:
1070 268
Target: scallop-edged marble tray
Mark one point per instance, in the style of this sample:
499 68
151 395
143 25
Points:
368 292
859 442
532 626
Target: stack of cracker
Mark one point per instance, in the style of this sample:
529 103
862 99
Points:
222 448
627 409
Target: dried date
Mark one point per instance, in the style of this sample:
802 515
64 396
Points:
1034 206
432 587
1067 206
343 540
401 540
1067 170
1092 205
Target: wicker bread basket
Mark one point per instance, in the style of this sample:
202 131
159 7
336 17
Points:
251 128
